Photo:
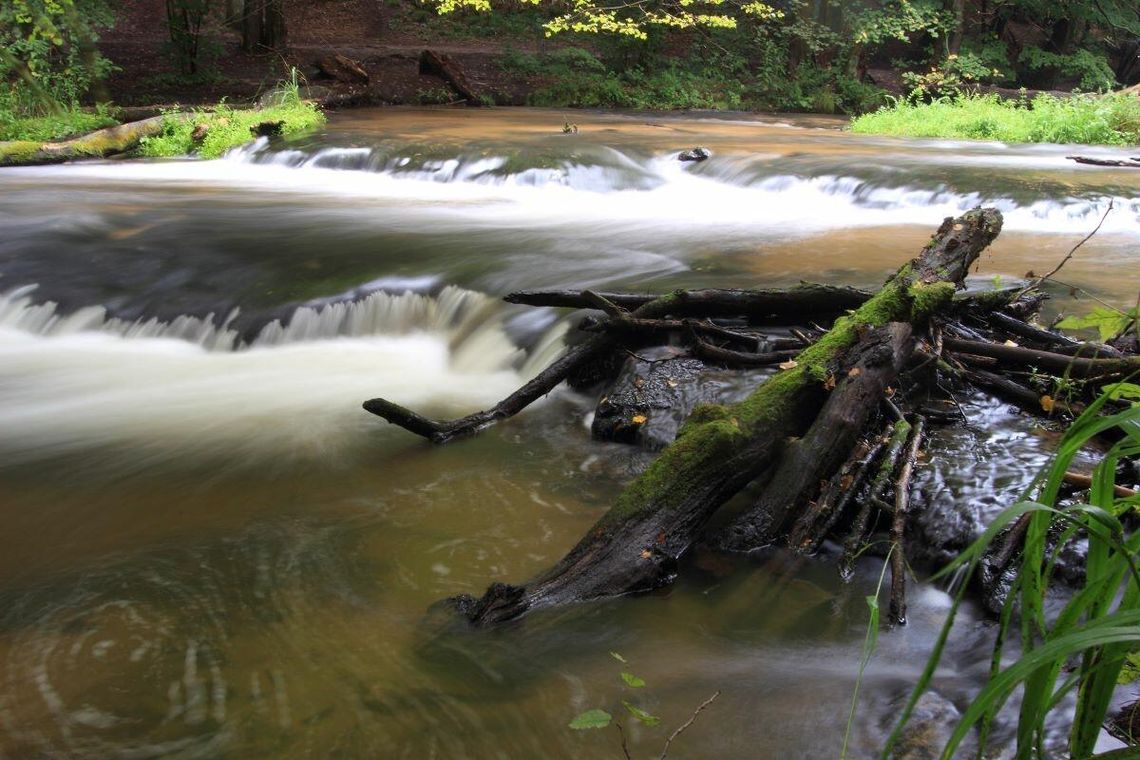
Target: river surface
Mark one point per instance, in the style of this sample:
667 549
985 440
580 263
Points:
209 550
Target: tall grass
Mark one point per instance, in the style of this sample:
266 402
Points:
1112 119
1096 629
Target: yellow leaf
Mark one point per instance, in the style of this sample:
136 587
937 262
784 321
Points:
1010 343
639 419
646 554
789 364
1047 403
854 372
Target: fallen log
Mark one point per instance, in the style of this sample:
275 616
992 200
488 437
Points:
879 357
797 303
1062 364
897 609
636 545
592 350
1128 163
446 68
98 144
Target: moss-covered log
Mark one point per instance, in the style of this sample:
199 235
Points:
636 545
99 144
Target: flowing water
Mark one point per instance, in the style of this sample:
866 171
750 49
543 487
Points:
209 549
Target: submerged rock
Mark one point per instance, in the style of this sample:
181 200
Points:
929 728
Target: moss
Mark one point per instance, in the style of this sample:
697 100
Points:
658 487
18 152
927 299
713 432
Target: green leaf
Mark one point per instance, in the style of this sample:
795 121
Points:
632 680
1123 390
1108 322
591 719
617 657
641 715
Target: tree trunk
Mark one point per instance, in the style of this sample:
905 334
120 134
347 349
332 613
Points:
720 449
263 25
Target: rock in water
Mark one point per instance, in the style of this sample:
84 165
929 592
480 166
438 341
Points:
696 154
648 401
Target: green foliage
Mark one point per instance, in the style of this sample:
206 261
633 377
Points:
1108 322
641 715
875 23
634 20
1092 70
227 128
870 644
54 126
1108 120
48 57
958 73
591 719
1099 625
632 681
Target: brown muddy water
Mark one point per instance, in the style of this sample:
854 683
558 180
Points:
209 549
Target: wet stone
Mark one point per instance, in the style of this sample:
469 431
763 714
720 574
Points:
649 400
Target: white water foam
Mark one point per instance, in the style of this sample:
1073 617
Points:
665 195
189 389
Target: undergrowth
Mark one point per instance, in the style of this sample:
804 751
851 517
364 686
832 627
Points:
53 126
1112 119
227 128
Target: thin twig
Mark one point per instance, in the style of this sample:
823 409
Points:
624 747
689 722
1068 256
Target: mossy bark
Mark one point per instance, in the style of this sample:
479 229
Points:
98 144
636 545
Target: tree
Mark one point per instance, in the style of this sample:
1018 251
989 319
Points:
48 56
263 25
636 18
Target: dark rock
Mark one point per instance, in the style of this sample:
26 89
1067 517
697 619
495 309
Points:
267 129
696 154
343 69
199 133
649 400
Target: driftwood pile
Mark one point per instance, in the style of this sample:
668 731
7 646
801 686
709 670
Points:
829 440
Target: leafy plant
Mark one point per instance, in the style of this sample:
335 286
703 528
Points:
599 718
1098 627
48 58
1109 322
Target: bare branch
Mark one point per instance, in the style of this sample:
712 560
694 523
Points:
687 723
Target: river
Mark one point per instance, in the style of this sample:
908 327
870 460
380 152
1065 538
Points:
210 550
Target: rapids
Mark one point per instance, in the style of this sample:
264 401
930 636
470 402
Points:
209 549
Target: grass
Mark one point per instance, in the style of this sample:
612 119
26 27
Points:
54 126
227 128
1083 648
1112 119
